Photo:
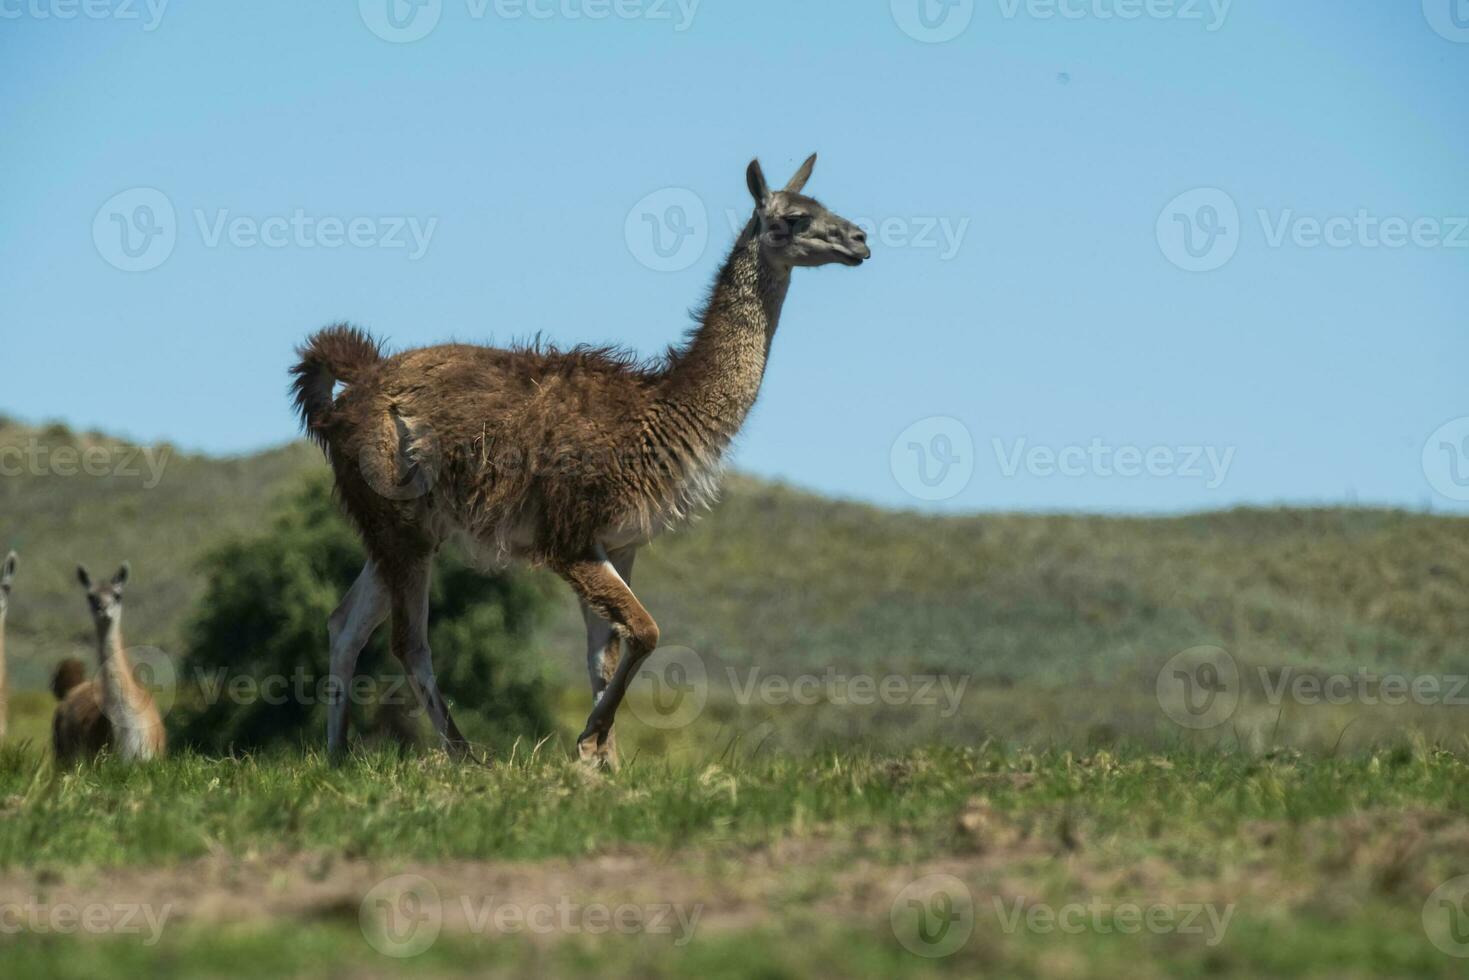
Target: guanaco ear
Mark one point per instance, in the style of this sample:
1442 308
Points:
755 178
7 571
121 578
84 578
802 175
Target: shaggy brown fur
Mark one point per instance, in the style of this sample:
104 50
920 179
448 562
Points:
7 575
568 459
112 711
67 675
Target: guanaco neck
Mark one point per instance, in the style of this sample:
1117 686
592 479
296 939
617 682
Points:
114 672
714 380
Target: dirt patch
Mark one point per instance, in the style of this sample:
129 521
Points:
1268 866
631 892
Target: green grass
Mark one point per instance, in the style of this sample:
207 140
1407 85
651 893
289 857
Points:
1323 865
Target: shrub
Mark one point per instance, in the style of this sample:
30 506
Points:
256 669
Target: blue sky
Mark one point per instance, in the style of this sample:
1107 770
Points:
1062 313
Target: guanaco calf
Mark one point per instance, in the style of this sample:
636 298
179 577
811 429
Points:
112 710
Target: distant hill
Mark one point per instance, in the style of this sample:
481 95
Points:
779 577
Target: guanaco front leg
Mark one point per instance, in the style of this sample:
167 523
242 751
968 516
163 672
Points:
599 585
604 652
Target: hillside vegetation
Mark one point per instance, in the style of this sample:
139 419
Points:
777 580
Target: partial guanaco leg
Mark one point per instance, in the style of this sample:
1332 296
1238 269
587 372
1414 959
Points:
409 602
604 651
598 584
361 611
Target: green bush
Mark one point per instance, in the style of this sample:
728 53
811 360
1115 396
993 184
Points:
256 669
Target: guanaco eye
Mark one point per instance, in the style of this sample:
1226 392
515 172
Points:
800 224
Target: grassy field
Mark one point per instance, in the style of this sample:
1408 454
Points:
874 743
941 861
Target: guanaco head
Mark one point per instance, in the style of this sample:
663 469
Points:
7 575
796 230
105 600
